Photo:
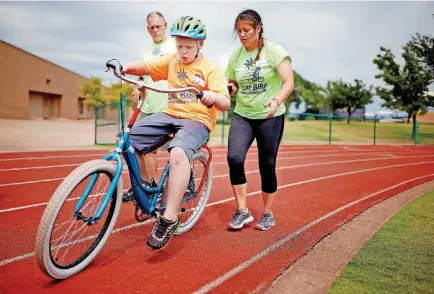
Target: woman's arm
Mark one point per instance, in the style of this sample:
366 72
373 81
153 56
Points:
286 74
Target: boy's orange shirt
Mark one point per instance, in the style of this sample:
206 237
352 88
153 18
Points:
202 74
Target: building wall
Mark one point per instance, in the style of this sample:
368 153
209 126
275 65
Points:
24 75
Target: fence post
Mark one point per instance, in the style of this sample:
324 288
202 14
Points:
330 128
375 129
416 133
119 115
96 113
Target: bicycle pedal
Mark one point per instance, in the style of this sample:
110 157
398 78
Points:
140 216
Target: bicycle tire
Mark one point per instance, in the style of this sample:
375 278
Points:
43 238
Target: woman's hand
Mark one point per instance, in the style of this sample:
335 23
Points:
234 88
273 104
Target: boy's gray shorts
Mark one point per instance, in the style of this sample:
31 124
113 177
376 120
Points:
165 146
151 132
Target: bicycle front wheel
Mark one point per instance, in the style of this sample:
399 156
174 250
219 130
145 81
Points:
67 243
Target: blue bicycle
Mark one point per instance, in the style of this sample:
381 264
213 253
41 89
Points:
83 210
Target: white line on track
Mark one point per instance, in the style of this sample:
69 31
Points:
125 171
208 287
217 163
217 150
254 259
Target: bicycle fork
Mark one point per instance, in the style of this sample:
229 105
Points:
92 220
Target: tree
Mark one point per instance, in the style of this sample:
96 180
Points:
93 91
313 95
407 86
348 96
336 91
423 47
115 91
359 96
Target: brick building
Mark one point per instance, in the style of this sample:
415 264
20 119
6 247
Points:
32 87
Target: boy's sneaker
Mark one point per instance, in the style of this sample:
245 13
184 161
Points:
239 219
162 232
266 222
129 195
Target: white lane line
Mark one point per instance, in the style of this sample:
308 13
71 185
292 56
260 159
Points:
217 163
126 171
24 256
254 151
52 157
220 280
248 172
38 167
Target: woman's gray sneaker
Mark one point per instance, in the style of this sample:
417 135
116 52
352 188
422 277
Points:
266 222
239 219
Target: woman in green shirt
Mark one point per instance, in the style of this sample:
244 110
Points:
261 77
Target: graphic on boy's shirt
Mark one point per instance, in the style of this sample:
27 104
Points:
182 75
198 80
183 97
253 81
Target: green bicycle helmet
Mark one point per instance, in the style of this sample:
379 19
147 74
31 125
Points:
189 27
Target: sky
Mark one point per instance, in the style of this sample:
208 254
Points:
326 40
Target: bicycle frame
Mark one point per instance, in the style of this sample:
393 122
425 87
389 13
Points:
124 146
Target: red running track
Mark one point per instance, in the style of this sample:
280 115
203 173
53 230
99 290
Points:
320 188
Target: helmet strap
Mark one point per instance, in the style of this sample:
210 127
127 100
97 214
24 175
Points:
198 49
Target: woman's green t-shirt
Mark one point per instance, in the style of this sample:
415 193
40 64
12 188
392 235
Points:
258 81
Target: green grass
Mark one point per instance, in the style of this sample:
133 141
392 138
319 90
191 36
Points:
356 132
400 256
318 131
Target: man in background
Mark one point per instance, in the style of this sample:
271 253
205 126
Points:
153 101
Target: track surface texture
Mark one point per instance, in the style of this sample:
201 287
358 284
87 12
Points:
319 189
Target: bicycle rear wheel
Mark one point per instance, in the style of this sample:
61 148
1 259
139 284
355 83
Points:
61 255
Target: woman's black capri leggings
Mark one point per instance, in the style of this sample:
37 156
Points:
268 133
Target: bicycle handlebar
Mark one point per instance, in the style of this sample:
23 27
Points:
142 85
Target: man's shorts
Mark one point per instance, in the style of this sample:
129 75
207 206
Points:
151 132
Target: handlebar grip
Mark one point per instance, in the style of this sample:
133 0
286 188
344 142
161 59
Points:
110 65
200 95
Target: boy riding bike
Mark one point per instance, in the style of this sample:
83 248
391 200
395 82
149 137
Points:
189 118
